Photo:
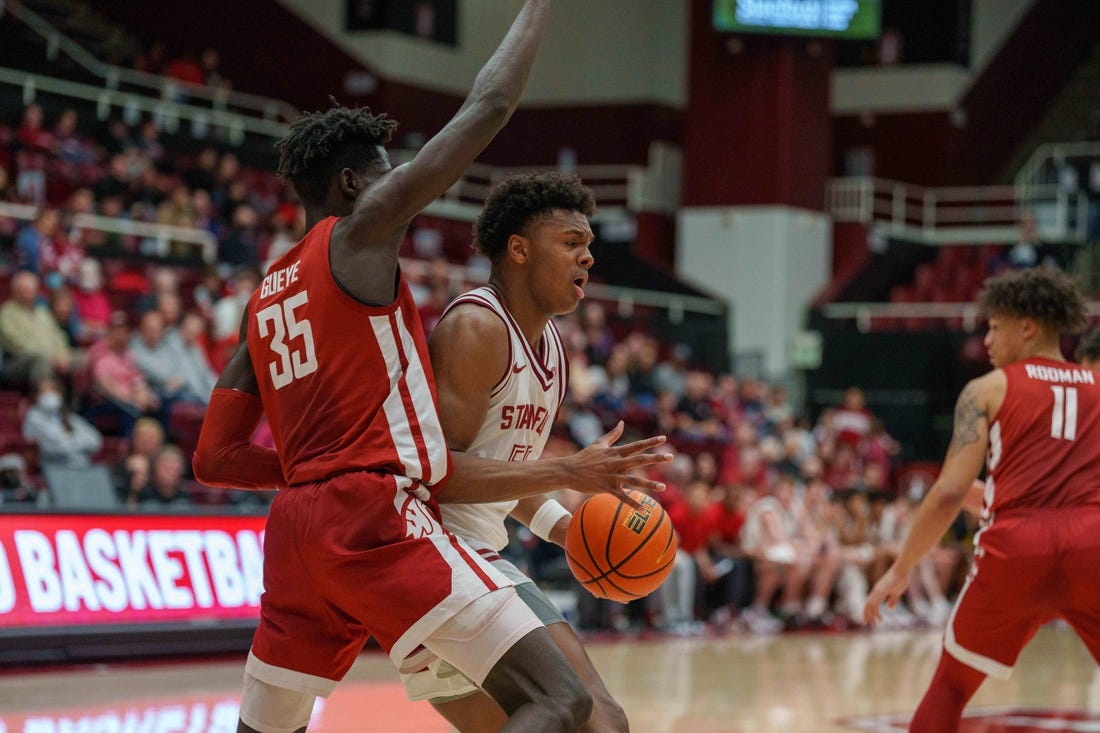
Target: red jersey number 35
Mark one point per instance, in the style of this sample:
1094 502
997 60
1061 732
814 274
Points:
278 319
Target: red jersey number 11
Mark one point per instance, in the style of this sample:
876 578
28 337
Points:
1063 419
289 365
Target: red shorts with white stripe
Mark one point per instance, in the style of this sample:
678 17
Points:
351 557
1030 566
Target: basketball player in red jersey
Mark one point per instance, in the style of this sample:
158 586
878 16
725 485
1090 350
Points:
333 353
501 374
1035 420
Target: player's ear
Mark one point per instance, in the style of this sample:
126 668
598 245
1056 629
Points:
349 183
1029 328
518 248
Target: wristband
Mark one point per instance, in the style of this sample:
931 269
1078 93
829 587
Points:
546 518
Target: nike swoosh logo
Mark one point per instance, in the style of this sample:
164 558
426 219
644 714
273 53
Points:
517 368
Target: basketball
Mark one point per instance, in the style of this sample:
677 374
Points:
617 552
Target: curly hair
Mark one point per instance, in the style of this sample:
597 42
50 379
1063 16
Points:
1045 294
1089 347
320 144
518 203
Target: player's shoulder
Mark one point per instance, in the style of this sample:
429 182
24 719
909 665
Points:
471 332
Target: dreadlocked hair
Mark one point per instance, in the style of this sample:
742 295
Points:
517 204
1044 294
320 144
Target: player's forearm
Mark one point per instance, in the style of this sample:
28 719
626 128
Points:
501 81
476 480
936 513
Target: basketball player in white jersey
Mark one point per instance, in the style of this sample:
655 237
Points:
501 374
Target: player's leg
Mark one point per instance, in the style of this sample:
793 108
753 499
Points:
269 709
951 688
500 644
478 713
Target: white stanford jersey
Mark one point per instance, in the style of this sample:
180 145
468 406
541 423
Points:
522 408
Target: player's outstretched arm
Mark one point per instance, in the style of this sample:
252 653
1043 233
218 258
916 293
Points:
405 191
964 461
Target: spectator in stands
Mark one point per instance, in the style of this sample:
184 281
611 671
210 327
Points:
201 175
92 306
851 421
34 239
601 341
63 308
229 309
728 572
15 485
670 375
68 144
118 381
34 345
32 149
116 183
157 359
152 58
1029 251
699 420
677 593
856 533
192 365
63 437
118 137
166 486
185 68
7 186
1088 350
148 142
240 246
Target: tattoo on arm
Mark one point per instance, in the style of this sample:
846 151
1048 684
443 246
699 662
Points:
967 414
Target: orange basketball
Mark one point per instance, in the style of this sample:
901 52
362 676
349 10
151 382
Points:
617 552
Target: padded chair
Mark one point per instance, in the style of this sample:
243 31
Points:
88 488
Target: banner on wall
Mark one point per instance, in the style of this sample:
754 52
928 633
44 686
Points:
66 570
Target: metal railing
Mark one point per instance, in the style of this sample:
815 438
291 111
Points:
222 100
170 114
864 314
959 214
162 235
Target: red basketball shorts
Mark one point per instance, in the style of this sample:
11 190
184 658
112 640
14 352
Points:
352 557
1030 566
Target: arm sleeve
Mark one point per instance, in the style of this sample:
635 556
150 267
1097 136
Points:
226 455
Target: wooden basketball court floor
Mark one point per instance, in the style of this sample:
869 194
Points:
737 683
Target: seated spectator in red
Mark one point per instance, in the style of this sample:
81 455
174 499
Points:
63 437
677 593
116 379
229 309
34 345
92 306
851 422
727 572
185 68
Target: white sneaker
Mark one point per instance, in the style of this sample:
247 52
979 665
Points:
759 622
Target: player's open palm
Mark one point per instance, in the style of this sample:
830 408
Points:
604 467
887 590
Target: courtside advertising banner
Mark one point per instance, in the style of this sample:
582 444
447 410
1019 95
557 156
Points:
65 570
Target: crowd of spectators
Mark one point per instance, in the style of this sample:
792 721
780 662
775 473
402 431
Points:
116 344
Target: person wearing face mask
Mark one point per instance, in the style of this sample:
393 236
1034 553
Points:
63 437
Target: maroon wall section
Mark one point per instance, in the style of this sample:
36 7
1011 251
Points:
999 109
757 129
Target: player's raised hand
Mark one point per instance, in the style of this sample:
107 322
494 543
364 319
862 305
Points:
887 590
604 467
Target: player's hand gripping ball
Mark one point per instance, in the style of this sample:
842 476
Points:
617 552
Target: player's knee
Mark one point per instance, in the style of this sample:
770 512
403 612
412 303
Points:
572 707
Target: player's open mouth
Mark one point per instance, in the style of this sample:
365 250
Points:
579 285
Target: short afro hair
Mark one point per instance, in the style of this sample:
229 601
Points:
517 204
1044 294
1089 348
320 144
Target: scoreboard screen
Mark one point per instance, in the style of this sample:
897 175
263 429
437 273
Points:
854 19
